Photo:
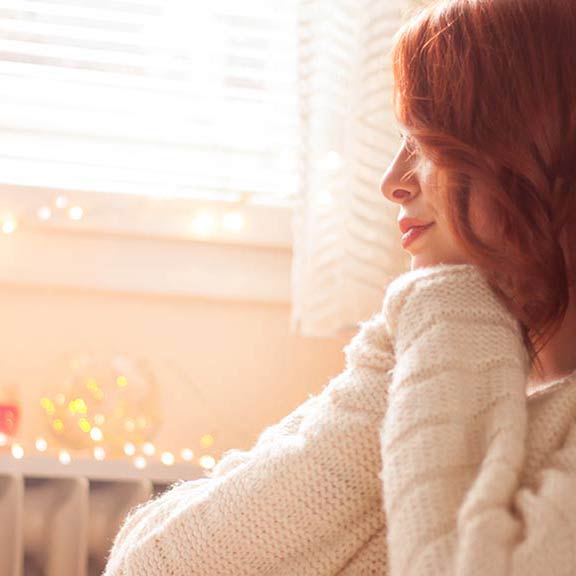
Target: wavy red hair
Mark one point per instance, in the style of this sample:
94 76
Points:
486 89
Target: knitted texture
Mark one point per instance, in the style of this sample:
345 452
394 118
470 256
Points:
306 499
423 457
472 482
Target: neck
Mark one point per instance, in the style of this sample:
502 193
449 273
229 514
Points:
558 357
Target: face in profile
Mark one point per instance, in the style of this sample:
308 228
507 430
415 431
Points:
411 181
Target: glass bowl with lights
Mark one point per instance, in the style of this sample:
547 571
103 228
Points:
95 400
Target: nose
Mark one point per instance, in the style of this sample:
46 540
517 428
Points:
397 185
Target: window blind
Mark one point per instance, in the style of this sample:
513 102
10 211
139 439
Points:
162 97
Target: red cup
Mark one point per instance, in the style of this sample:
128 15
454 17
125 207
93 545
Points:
9 418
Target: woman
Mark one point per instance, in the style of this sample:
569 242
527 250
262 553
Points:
428 454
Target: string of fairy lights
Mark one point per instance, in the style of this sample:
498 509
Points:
141 455
104 409
71 416
202 224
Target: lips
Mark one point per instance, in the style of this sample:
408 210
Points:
406 223
413 233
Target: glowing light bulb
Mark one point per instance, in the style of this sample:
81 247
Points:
17 451
75 213
84 425
64 457
148 448
61 201
140 462
203 224
99 453
3 439
167 458
44 213
96 434
129 449
9 225
41 444
187 454
233 221
207 440
207 462
48 405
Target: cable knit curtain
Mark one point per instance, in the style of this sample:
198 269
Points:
346 240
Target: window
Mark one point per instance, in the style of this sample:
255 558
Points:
123 105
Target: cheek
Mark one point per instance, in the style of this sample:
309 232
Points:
434 182
481 212
483 218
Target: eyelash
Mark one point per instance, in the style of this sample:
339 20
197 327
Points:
410 146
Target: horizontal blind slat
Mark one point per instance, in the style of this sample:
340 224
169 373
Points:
160 95
89 15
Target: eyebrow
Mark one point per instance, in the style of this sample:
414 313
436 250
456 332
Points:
406 136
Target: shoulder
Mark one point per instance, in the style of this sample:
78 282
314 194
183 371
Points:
443 289
551 432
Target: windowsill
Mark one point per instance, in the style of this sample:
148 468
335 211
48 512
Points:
135 244
108 470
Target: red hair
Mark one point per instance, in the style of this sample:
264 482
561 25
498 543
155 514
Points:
486 89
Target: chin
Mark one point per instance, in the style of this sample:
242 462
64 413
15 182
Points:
425 261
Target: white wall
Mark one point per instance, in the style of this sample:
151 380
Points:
241 355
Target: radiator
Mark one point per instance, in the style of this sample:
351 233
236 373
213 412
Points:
60 519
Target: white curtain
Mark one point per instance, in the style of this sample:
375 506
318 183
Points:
346 239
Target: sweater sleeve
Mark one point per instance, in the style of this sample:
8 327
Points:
453 439
157 510
301 501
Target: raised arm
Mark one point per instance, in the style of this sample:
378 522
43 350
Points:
454 439
156 510
302 500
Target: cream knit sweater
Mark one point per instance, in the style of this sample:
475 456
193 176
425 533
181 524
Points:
425 456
